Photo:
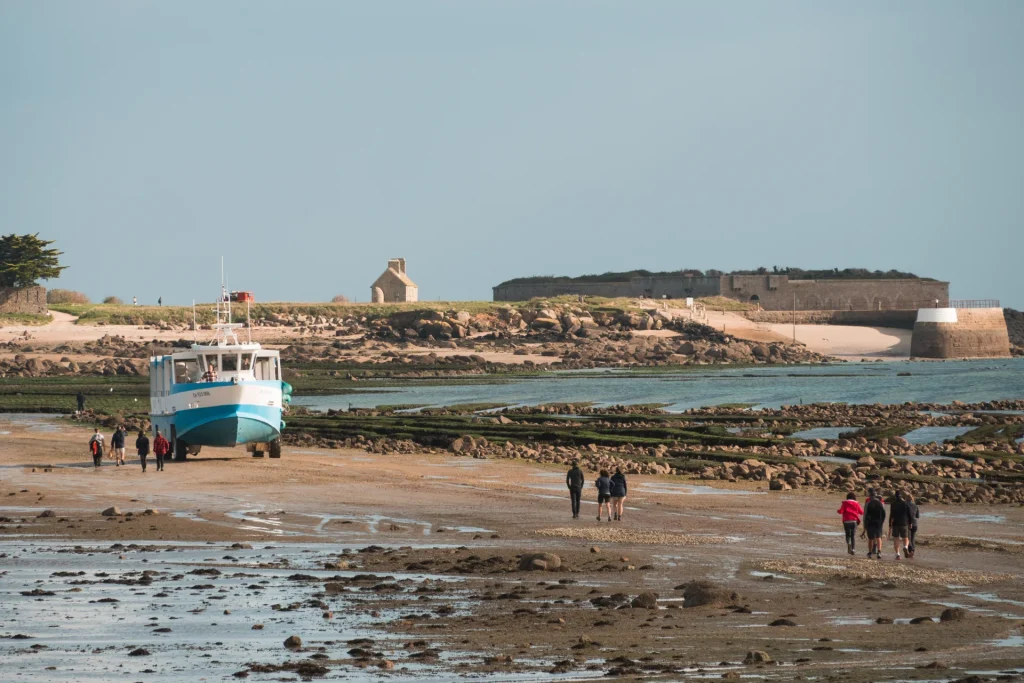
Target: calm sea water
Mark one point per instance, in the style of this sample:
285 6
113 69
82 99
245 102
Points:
939 382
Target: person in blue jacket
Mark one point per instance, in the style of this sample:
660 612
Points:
604 494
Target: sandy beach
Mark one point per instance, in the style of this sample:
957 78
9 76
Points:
441 537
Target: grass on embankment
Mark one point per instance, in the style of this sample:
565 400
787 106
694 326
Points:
18 319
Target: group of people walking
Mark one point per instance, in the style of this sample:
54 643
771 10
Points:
611 492
902 529
161 447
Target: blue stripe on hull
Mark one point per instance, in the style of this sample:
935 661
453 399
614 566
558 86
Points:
228 425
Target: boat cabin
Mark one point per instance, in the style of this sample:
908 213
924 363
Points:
204 364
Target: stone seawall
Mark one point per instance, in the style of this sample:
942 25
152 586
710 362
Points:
900 319
960 333
23 300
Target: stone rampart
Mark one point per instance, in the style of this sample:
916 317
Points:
770 292
900 319
960 333
23 300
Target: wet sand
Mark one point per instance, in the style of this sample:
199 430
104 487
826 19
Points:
418 556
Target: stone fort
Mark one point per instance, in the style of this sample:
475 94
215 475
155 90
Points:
772 292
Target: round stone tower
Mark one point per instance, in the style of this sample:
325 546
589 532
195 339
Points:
960 333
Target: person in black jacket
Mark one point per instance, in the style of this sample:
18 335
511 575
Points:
117 445
618 493
874 520
142 446
574 480
915 514
899 523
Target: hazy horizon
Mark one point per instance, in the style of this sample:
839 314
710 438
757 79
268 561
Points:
309 142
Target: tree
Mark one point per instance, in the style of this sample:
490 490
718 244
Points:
65 296
25 259
113 300
339 299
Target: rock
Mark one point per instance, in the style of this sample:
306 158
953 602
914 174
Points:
46 513
293 642
646 600
111 512
866 461
138 652
783 622
758 657
594 549
257 627
883 620
539 562
150 511
703 593
953 614
921 620
386 664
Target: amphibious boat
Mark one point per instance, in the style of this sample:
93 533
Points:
222 393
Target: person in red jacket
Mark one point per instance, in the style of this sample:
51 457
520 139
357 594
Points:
160 448
851 511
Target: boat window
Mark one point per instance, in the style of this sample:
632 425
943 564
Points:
262 367
229 363
247 361
210 367
186 371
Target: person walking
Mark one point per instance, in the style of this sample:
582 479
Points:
81 401
160 448
851 511
874 520
915 514
96 447
618 493
160 301
604 494
142 446
135 301
574 480
117 445
899 523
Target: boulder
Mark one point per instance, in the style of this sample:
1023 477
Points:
539 562
46 513
705 593
758 657
293 642
111 512
953 614
646 600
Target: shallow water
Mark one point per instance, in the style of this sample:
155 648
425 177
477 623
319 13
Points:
30 422
769 386
74 636
827 433
923 435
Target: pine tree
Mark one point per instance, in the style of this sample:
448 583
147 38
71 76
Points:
25 259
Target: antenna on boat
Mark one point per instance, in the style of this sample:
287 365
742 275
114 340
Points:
195 327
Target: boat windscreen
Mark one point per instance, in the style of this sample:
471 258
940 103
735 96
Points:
186 371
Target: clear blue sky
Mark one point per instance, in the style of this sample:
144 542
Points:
309 141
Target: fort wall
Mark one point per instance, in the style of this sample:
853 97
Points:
23 300
770 292
903 319
960 333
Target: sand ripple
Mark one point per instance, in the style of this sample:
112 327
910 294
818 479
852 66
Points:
616 535
872 570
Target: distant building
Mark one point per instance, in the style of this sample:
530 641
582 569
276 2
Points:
394 285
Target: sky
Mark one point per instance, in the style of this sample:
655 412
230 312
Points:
307 142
